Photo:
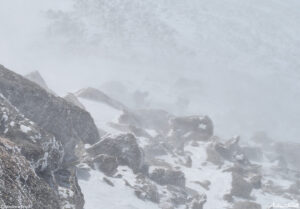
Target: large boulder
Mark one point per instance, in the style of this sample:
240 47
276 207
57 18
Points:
124 147
168 177
196 128
68 123
20 186
240 187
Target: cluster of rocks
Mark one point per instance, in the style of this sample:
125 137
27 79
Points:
40 132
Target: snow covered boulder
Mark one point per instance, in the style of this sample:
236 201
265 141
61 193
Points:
188 128
146 190
168 177
123 147
106 163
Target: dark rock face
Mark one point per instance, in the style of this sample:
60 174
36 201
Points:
19 184
68 123
246 205
168 177
240 187
38 146
124 147
183 129
99 96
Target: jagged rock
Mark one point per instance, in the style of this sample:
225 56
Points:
38 79
99 96
38 146
19 184
106 163
73 100
217 152
124 147
198 203
240 187
146 190
246 205
69 189
191 128
168 177
68 123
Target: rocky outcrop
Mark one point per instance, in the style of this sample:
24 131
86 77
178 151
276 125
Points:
68 123
74 100
38 79
168 177
20 186
69 191
39 147
240 187
106 163
123 147
183 129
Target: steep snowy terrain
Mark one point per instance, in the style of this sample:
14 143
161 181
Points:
216 172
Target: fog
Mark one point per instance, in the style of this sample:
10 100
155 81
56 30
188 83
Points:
236 61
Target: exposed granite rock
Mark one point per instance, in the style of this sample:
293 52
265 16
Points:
19 184
124 147
68 123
